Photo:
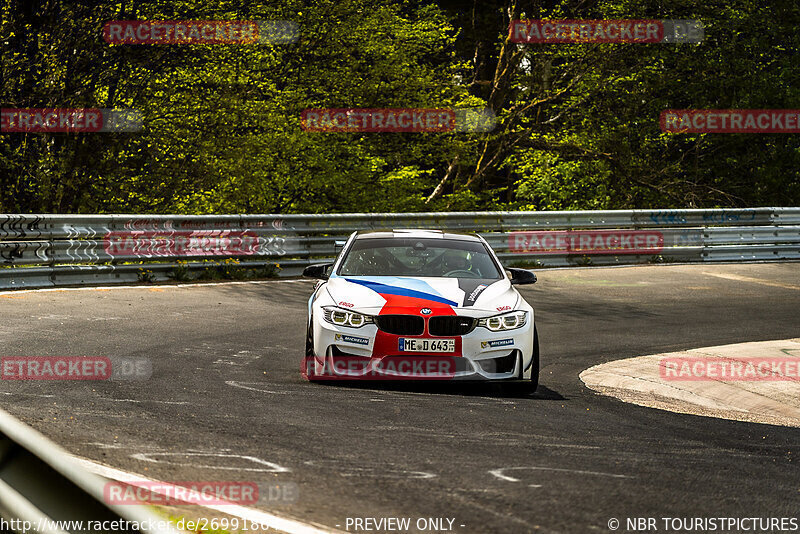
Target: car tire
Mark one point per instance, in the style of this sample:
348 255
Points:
309 370
534 384
526 387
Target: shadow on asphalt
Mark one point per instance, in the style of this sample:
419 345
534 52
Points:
510 390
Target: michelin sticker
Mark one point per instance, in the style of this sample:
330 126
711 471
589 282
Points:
497 343
352 339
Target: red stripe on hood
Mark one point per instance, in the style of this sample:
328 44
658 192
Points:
401 305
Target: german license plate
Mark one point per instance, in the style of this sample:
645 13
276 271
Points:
426 345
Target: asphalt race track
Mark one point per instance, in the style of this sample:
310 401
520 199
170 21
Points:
226 402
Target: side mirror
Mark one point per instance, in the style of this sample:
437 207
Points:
319 271
522 276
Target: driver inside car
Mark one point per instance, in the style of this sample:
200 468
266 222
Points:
455 260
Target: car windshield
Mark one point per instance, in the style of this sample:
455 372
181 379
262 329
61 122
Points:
433 257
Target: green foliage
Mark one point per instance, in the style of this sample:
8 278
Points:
181 272
231 269
578 124
228 269
145 276
268 271
526 264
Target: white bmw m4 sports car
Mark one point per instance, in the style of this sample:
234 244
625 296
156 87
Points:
419 305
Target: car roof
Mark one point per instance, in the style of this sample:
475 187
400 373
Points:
413 233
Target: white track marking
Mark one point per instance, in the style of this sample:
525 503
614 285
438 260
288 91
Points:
499 472
27 394
102 414
146 401
272 468
503 514
387 473
374 472
281 524
236 384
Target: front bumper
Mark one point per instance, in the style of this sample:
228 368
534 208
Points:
369 353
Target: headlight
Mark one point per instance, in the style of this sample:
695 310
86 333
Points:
506 321
341 317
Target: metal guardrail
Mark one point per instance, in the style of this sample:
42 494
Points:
43 489
58 250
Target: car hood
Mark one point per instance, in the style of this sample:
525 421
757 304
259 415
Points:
400 294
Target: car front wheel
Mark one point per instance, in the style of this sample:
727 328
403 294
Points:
308 370
526 387
534 384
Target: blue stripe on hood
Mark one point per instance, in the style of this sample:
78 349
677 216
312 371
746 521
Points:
400 291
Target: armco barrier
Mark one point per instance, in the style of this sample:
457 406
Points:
57 250
41 484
